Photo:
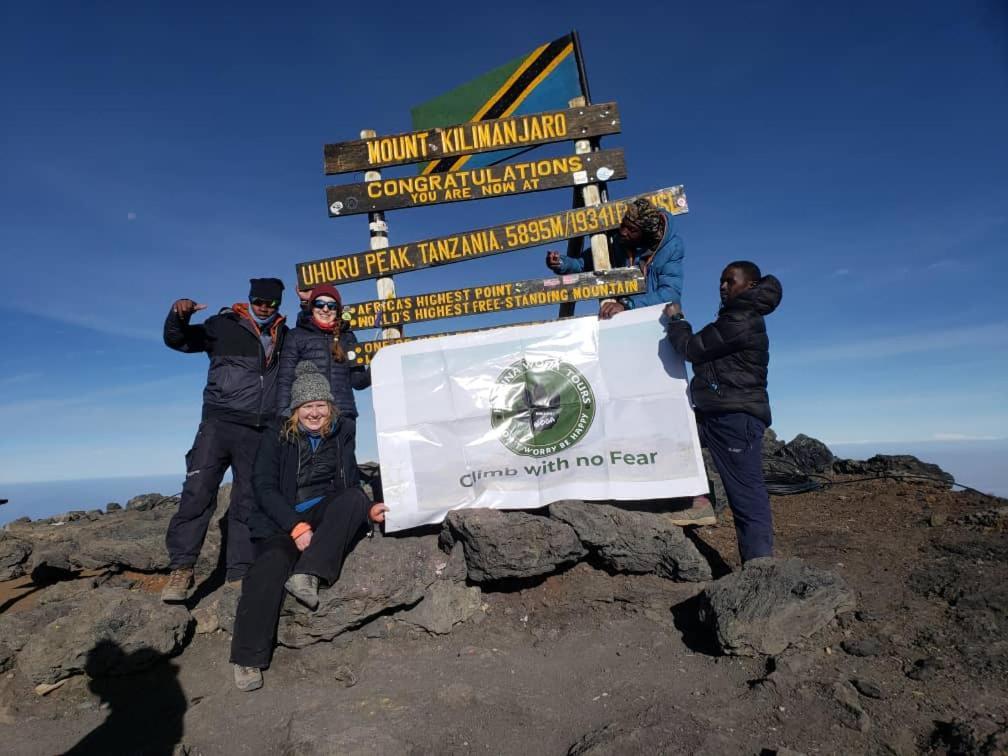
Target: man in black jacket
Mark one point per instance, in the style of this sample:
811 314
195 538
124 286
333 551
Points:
243 343
729 389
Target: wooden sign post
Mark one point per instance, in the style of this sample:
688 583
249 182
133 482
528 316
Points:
378 229
503 131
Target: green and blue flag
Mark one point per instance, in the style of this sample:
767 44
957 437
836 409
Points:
544 79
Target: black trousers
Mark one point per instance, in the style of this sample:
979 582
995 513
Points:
735 442
218 445
336 523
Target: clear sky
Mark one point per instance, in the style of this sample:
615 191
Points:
153 151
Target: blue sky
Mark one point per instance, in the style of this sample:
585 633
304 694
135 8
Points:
151 152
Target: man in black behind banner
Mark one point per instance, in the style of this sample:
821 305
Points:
243 343
729 390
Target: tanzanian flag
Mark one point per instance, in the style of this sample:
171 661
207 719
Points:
544 79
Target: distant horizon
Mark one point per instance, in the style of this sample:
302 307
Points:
954 442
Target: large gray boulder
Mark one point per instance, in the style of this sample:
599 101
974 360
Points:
14 553
637 542
380 574
770 604
809 454
444 605
107 631
499 545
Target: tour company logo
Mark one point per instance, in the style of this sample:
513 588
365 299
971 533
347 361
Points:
539 407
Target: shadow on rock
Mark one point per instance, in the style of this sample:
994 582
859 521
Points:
145 710
719 567
696 634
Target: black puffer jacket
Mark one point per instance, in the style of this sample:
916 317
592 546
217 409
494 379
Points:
730 356
287 471
242 380
309 342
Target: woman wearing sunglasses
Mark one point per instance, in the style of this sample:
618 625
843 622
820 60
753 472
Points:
319 339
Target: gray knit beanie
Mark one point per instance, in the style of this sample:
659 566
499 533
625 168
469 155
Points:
309 386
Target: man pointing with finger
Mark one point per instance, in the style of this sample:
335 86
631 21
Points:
243 343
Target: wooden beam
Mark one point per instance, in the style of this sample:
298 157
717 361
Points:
466 245
478 183
366 350
521 131
480 300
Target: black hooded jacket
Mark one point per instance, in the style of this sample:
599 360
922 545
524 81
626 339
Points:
730 356
287 471
309 342
242 379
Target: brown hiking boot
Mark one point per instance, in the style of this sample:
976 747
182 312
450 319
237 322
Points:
176 590
700 513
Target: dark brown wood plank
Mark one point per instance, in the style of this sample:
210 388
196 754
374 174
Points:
480 300
366 350
466 245
478 183
473 137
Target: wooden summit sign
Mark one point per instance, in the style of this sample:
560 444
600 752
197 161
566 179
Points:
479 300
565 224
473 137
478 183
365 351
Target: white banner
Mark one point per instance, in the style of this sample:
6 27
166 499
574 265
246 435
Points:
518 417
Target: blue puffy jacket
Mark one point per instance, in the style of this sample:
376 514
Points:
664 269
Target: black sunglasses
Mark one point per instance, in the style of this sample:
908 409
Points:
318 304
265 302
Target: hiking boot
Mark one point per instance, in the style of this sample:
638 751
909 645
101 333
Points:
177 588
700 513
304 588
247 678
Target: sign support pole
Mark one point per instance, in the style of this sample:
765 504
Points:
590 194
378 229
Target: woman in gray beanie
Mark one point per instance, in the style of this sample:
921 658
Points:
310 510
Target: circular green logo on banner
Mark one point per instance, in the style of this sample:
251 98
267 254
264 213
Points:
540 407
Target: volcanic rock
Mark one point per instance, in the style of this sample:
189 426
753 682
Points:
892 464
811 455
636 542
107 631
14 552
501 545
381 574
770 604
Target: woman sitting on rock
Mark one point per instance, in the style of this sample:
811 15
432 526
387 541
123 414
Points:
309 511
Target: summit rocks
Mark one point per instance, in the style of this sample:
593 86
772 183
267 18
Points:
771 604
617 640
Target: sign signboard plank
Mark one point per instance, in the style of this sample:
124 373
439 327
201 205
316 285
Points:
479 300
521 131
466 245
478 183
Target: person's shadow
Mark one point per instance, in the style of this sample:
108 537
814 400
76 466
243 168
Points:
145 709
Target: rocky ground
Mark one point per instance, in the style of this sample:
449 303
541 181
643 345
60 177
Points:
881 628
